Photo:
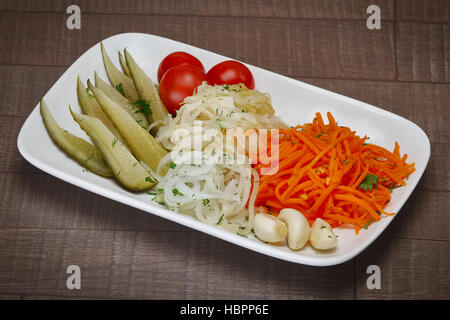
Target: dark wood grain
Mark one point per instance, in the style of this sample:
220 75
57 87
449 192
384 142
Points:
157 265
310 9
23 86
420 52
437 11
47 224
41 201
319 48
12 161
425 105
9 296
410 269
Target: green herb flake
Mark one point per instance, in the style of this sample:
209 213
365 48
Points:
149 179
172 165
368 182
114 141
205 202
220 220
144 107
176 192
135 164
119 88
320 134
90 95
89 157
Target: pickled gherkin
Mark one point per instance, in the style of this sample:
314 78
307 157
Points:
147 91
90 107
79 149
125 167
119 80
141 142
137 113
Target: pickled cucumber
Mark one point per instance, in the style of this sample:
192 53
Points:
79 149
118 79
132 110
90 107
147 91
126 169
123 64
141 142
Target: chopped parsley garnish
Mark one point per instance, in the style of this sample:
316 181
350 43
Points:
144 107
322 227
172 165
220 220
149 179
366 226
152 193
119 88
89 157
365 144
320 134
114 141
90 95
205 202
176 192
369 181
135 164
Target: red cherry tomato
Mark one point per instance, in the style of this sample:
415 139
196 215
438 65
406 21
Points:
176 59
178 83
230 72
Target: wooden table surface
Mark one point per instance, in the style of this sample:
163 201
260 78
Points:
47 224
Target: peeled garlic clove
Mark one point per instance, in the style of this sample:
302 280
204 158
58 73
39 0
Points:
268 228
298 227
322 236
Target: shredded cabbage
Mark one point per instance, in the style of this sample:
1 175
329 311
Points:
204 179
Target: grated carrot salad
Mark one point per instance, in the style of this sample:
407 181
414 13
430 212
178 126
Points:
327 171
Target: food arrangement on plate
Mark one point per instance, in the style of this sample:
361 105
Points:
209 145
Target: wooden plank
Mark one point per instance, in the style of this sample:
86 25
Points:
319 48
447 50
420 53
403 98
48 297
152 265
60 205
42 201
435 11
410 269
9 296
35 261
24 86
424 216
424 104
12 161
311 9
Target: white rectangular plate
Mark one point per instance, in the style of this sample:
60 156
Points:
294 101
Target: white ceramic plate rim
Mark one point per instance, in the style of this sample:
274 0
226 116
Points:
292 256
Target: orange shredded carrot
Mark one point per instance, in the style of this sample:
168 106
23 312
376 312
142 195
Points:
328 171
